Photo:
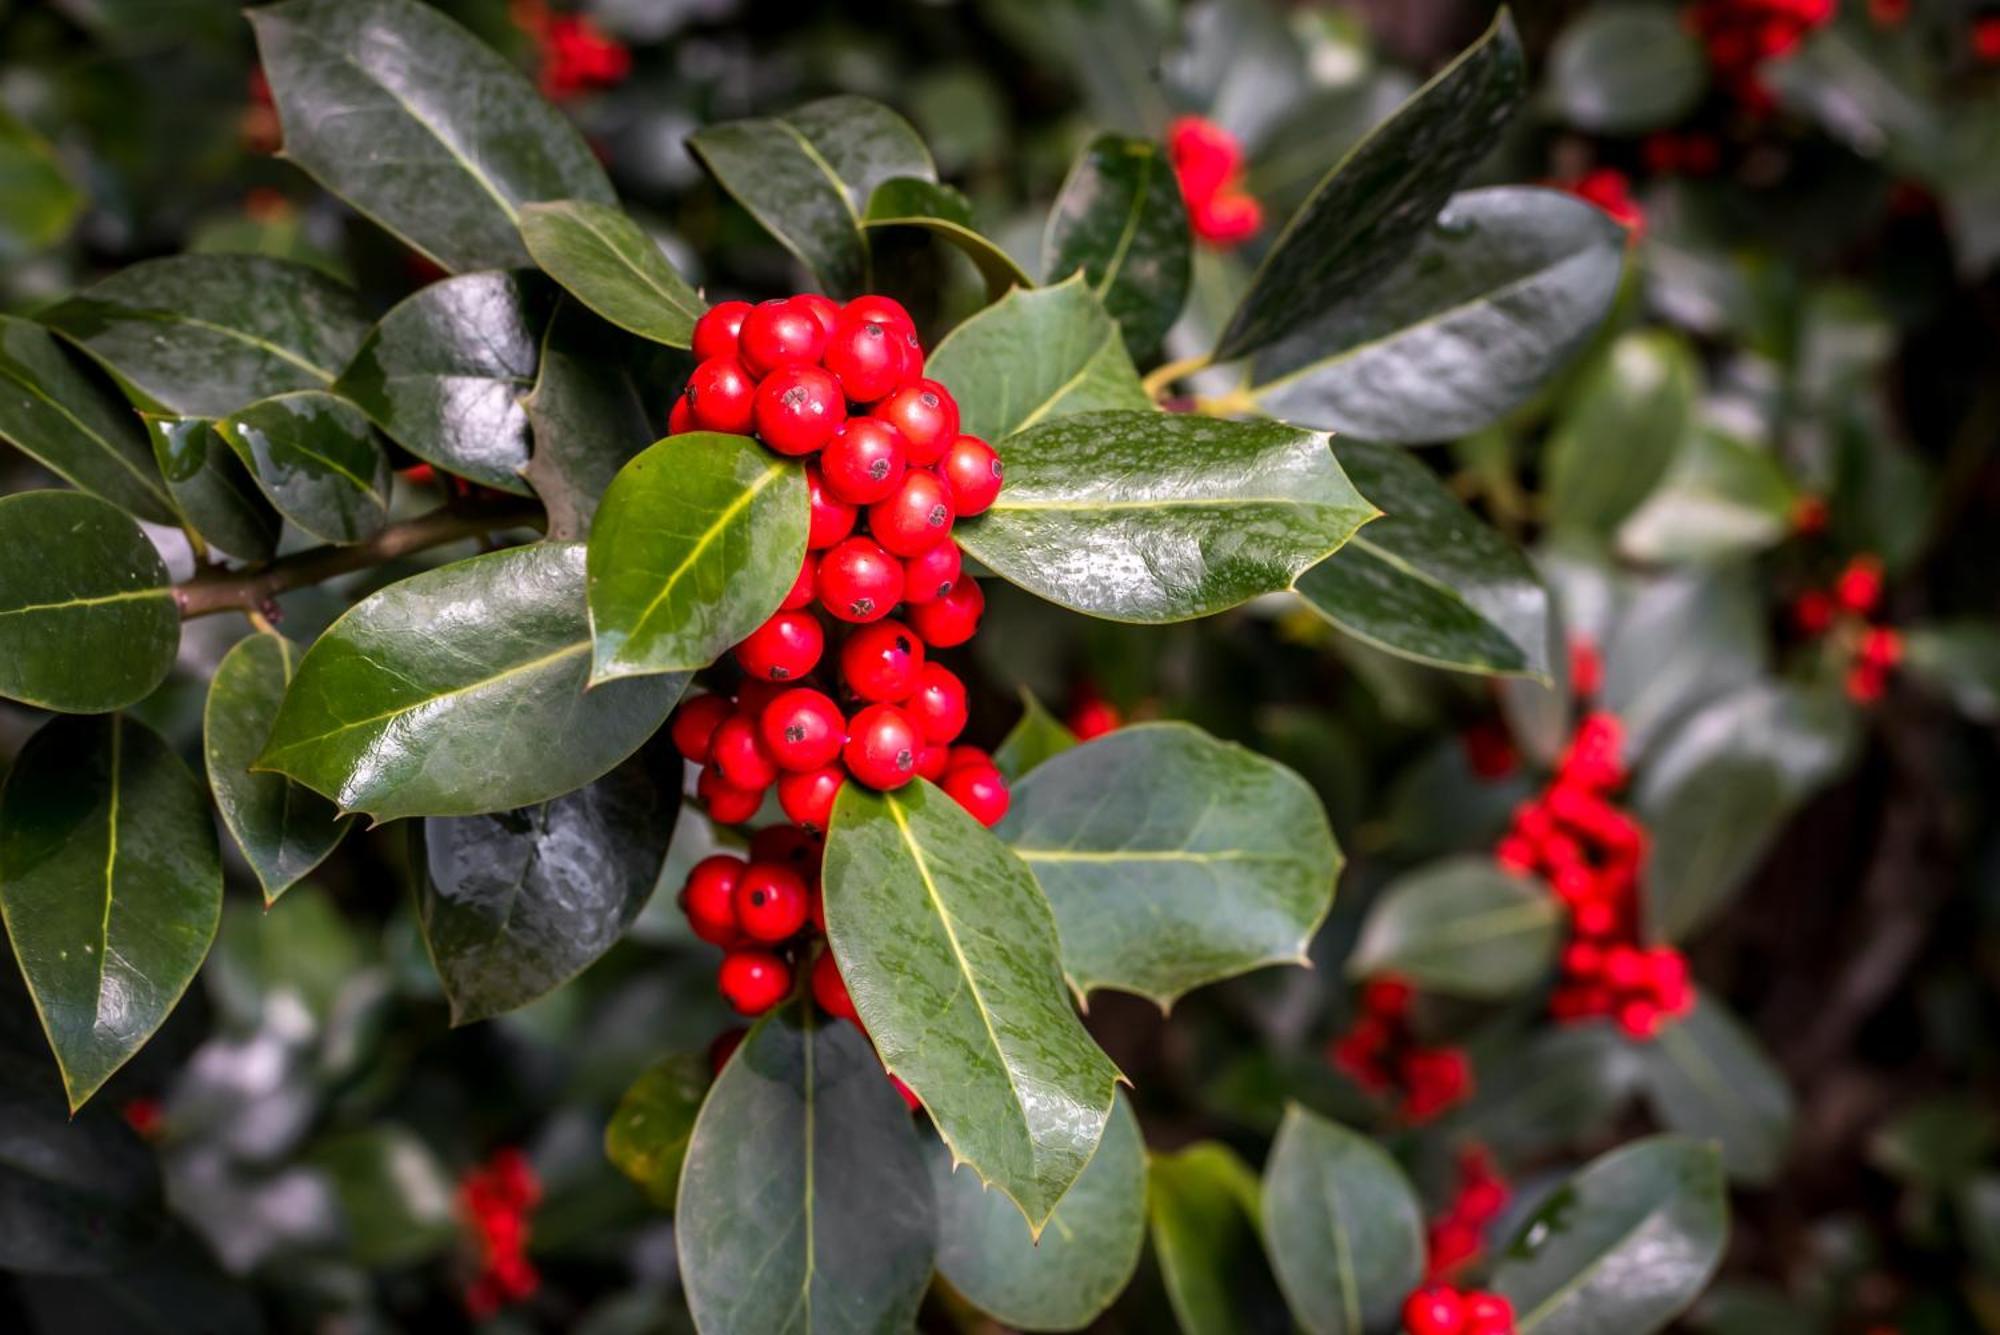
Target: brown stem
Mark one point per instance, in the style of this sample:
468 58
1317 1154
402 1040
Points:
252 590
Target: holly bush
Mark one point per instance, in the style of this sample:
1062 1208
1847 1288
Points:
712 666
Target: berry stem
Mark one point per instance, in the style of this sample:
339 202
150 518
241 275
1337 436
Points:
1161 378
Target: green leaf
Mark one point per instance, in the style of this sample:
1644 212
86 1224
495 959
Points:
950 954
648 1135
1371 210
1346 1236
1172 860
1120 219
1065 1280
1959 658
1204 1207
111 886
806 177
38 202
697 542
1617 437
804 1203
912 202
1707 1077
417 124
395 1199
1626 69
1550 1090
611 265
1149 517
444 371
1679 642
202 335
88 621
1721 499
1428 580
1937 1144
52 412
1464 927
588 419
1625 1245
211 489
460 691
1037 737
1499 293
315 458
515 904
283 830
1034 355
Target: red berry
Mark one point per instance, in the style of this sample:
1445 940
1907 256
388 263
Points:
754 695
863 462
680 418
780 333
739 755
867 358
753 981
882 310
927 415
784 648
882 746
802 730
1226 218
830 989
973 470
695 723
1859 587
719 395
858 581
832 519
881 662
715 333
802 587
709 898
1204 155
938 704
933 761
959 757
1434 1310
727 804
930 574
724 1047
797 409
824 309
950 620
914 518
1488 1314
981 790
808 796
770 902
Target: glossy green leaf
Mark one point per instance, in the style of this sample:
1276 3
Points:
316 459
444 371
1626 69
1344 1228
1502 290
1464 927
1147 516
1709 1078
909 202
211 488
1959 658
517 903
1624 1245
806 176
1037 737
1721 499
1204 1207
1083 1260
1173 860
283 829
88 621
420 126
950 954
394 1197
1619 435
460 691
52 412
588 418
1371 210
203 335
1120 219
649 1130
1036 355
804 1205
697 542
1678 642
611 265
111 886
38 201
1429 580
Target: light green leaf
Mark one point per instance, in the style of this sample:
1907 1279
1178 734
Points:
609 264
1037 737
1617 437
1464 927
1204 1205
648 1135
1626 69
1721 499
1959 658
38 202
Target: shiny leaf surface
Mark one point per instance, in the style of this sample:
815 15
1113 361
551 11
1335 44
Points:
1464 927
315 459
1204 1207
1721 499
607 262
1709 1078
588 420
1620 432
52 412
649 1131
1121 221
908 202
211 489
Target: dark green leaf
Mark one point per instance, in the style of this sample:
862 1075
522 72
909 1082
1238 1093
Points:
1346 1236
50 410
1625 1245
649 1131
1550 1090
88 621
517 903
38 203
1961 659
460 691
412 120
1500 292
1620 433
1721 499
1371 210
1121 221
951 956
1037 737
1679 642
202 335
317 461
1708 1077
1627 69
1172 860
1147 516
111 883
1204 1207
943 212
588 419
609 264
804 1203
444 371
210 487
1938 1143
1464 927
395 1200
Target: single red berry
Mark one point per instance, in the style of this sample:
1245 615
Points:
950 621
938 704
981 790
802 729
680 417
867 357
933 761
881 662
709 898
802 587
882 310
858 581
724 1047
973 469
784 648
798 408
914 518
753 981
930 574
695 723
1226 218
1434 1310
727 804
863 462
1093 717
808 796
830 989
831 519
1488 1314
770 902
1859 587
720 394
824 309
927 415
716 332
1387 998
882 746
740 755
959 757
780 333
1204 155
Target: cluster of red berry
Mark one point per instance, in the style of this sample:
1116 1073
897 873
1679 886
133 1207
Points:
1440 1309
1381 1054
1208 163
1850 604
494 1200
1611 190
1456 1236
1741 35
575 55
